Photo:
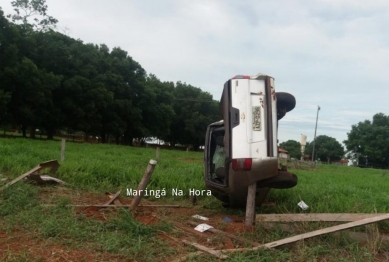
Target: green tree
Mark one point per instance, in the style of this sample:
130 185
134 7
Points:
31 90
293 147
8 56
157 107
9 36
194 111
51 81
129 90
326 148
4 100
369 141
73 103
51 52
32 14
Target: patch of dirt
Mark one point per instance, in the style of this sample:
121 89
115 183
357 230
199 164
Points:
228 244
382 256
95 212
18 246
147 219
51 195
17 243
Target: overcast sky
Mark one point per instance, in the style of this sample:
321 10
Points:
332 53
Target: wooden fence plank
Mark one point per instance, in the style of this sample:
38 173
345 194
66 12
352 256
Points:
319 232
311 217
118 206
21 177
215 253
112 198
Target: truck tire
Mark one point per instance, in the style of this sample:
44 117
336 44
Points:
285 103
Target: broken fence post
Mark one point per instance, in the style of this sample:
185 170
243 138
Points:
157 153
143 183
250 206
63 145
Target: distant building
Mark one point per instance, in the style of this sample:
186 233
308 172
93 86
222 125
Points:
282 153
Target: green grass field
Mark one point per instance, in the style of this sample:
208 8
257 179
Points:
97 169
103 167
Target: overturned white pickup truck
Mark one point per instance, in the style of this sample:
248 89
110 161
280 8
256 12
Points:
242 148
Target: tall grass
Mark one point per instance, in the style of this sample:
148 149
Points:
333 188
101 167
104 167
122 234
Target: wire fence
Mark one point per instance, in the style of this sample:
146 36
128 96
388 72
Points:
298 164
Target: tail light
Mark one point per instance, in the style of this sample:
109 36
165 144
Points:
242 164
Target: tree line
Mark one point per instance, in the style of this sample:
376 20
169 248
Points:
367 144
50 81
327 149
